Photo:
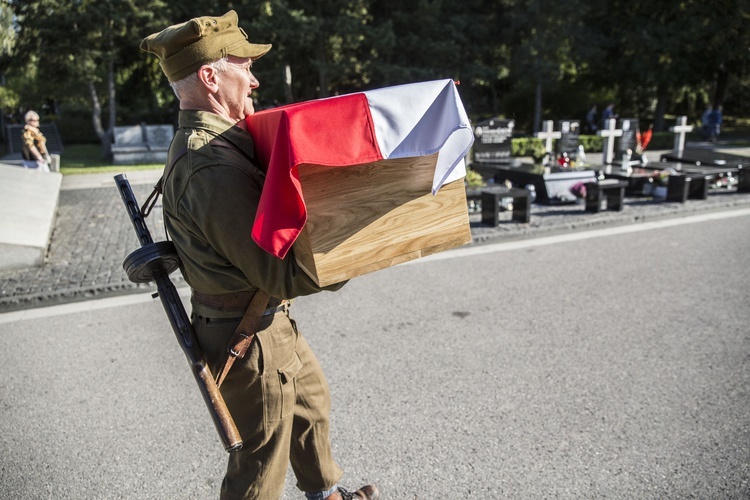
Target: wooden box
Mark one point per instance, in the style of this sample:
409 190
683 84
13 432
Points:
371 216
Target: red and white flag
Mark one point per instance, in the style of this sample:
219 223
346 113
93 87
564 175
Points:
395 122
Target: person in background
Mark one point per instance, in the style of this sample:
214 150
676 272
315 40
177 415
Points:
706 122
609 112
591 126
34 149
277 393
715 123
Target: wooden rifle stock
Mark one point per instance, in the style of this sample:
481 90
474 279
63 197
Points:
154 262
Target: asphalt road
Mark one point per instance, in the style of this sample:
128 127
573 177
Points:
615 366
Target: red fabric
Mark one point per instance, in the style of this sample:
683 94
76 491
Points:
336 132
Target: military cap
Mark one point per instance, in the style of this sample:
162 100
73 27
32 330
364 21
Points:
183 48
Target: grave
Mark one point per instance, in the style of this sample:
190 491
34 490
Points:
627 143
710 159
551 183
680 130
639 179
493 161
691 180
492 142
569 138
548 135
141 144
609 133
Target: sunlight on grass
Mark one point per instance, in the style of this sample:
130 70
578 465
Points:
87 159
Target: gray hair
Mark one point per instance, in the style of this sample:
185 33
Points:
188 86
30 115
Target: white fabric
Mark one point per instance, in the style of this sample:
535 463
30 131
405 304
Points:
421 119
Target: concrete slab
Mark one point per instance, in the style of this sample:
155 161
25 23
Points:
27 212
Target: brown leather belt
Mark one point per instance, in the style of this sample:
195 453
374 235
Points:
237 302
252 306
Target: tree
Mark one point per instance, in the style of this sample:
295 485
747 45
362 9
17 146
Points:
80 45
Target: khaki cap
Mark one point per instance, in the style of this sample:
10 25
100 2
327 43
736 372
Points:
183 48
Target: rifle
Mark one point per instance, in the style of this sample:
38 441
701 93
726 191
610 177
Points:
154 262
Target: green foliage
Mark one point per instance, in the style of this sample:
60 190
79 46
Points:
528 146
9 99
650 58
474 179
591 142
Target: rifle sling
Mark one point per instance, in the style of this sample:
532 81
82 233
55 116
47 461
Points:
244 334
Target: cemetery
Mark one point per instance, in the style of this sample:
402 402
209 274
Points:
141 144
567 176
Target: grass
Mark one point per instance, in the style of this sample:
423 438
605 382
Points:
87 159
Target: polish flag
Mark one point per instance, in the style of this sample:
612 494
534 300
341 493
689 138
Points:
395 122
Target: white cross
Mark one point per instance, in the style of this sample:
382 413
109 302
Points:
609 133
548 135
680 130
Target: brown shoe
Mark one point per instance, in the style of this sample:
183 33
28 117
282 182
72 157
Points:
368 492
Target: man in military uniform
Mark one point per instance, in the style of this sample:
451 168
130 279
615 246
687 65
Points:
277 393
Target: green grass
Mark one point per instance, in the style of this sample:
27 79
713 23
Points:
87 159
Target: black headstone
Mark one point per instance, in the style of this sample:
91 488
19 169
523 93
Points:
569 138
629 138
492 142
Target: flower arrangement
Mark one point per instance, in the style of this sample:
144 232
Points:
643 139
661 177
578 190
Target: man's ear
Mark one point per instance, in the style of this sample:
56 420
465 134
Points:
208 76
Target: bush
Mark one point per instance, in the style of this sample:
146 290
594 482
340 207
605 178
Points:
76 128
528 146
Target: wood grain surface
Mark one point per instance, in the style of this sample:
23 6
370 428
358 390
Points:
371 216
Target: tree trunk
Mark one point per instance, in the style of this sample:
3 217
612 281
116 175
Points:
96 120
722 80
538 106
661 107
112 97
322 70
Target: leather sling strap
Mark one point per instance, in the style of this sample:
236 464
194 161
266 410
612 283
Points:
244 334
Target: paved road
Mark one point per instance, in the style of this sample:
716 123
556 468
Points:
564 367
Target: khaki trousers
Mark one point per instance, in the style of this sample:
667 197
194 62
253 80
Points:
280 402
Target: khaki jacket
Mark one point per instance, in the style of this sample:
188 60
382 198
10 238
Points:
33 140
210 200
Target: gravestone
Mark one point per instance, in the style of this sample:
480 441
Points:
492 142
547 134
551 184
680 130
708 159
569 138
629 138
609 133
159 137
129 136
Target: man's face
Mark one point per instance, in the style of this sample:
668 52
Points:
236 85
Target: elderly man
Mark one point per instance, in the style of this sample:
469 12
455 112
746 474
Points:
34 149
277 392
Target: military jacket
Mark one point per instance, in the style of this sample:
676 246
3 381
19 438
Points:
211 195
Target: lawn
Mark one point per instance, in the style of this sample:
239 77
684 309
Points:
87 159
